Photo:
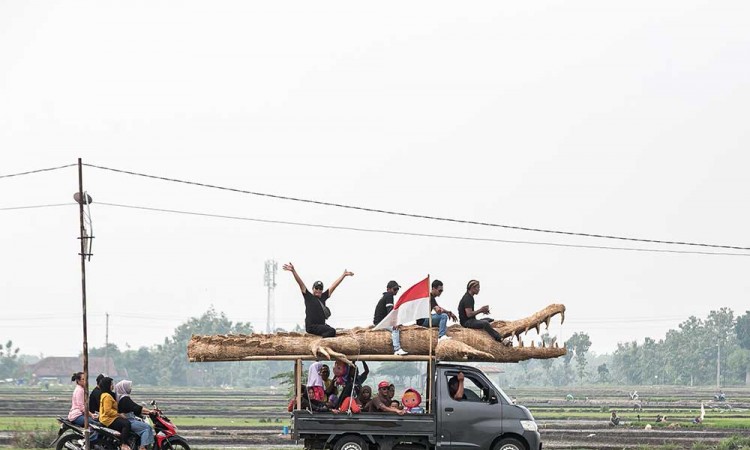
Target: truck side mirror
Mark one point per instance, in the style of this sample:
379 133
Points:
493 399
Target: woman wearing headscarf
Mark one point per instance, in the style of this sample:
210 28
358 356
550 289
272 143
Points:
126 406
108 414
77 406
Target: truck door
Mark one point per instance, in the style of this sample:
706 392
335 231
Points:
472 422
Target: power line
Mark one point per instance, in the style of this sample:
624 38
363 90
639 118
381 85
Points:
53 205
420 216
406 233
36 171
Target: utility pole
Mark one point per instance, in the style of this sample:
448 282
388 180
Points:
718 365
269 280
84 199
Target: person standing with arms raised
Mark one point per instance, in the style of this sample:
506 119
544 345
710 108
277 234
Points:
316 311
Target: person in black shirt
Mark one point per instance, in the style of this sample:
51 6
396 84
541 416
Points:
96 393
130 409
467 314
384 306
316 311
441 315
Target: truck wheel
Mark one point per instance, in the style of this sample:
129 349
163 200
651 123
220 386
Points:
351 442
509 444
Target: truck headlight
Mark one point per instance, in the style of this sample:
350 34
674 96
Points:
529 425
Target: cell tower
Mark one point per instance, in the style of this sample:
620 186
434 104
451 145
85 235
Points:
269 280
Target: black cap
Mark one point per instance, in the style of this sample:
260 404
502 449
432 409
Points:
392 284
318 285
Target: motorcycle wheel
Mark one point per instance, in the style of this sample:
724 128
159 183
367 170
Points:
68 442
175 443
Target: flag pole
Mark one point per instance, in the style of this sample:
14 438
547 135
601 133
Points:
429 363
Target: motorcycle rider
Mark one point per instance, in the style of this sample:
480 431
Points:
109 416
77 407
126 406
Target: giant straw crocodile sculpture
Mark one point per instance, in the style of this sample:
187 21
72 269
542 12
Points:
465 344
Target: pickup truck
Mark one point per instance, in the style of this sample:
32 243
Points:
485 419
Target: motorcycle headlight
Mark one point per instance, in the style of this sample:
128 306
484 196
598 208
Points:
529 425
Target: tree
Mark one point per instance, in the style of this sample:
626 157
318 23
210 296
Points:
579 344
742 331
603 372
173 352
9 364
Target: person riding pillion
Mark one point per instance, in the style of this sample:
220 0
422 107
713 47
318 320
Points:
316 311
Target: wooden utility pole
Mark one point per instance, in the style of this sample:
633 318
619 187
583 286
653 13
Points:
84 199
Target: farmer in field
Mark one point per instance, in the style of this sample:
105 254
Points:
316 311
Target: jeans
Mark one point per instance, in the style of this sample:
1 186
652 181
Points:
396 338
483 324
143 430
79 421
440 319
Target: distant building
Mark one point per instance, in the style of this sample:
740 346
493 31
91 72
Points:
60 368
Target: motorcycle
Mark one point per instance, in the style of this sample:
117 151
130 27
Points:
71 437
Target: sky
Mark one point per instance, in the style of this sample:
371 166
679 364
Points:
611 118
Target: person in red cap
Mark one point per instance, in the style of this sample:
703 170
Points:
382 402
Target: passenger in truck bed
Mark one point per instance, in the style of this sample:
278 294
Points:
382 402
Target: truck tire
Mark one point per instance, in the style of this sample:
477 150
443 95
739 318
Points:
351 442
509 444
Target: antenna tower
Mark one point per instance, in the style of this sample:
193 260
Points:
269 280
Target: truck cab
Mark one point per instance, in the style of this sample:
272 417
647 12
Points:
484 418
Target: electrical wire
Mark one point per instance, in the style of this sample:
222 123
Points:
420 216
429 235
36 171
53 205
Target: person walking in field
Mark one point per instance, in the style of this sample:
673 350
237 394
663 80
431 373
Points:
316 311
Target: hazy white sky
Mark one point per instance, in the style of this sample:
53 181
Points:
625 118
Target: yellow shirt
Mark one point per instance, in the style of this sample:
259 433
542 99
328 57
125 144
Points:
107 409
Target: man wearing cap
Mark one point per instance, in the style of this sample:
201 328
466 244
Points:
382 402
316 311
384 306
467 314
441 315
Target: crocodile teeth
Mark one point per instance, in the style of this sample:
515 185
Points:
537 328
543 346
520 343
546 322
562 318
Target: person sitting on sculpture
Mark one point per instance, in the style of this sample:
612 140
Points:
383 308
468 315
316 311
440 316
382 402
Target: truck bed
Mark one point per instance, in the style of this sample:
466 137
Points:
308 424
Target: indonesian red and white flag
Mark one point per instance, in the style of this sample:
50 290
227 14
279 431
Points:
413 304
